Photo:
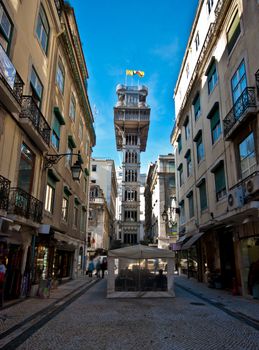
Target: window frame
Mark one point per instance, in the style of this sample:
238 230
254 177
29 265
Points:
65 209
203 196
2 32
60 69
231 42
46 30
38 83
72 103
212 76
252 167
197 110
54 134
49 197
191 204
220 190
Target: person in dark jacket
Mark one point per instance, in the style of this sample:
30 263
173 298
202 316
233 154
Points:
103 266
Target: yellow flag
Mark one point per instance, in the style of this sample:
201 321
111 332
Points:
140 73
129 72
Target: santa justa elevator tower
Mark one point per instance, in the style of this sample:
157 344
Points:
131 122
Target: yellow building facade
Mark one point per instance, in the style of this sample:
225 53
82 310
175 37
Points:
45 120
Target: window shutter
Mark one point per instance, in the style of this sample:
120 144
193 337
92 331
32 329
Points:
56 125
214 119
220 182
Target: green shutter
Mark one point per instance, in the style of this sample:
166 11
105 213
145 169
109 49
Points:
220 182
71 141
214 119
233 32
59 116
203 196
211 70
56 125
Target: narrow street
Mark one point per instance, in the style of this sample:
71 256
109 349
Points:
88 320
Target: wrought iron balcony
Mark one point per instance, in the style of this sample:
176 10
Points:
59 6
4 192
244 106
23 204
257 81
34 122
11 84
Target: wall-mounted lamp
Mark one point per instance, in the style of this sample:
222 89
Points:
76 168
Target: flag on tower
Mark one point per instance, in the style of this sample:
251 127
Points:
140 73
129 72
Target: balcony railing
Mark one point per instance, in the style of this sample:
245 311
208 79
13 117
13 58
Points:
246 100
23 204
257 81
4 192
59 6
10 77
31 111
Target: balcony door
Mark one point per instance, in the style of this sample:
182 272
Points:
26 169
238 86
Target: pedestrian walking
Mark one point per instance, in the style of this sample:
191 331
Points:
103 266
98 268
90 268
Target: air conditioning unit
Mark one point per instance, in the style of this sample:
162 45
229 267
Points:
236 198
252 185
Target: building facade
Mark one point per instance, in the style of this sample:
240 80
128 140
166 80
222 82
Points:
216 140
131 121
44 114
102 215
160 196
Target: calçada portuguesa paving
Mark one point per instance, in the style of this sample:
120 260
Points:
79 316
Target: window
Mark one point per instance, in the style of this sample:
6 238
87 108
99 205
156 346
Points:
80 130
179 140
64 212
203 195
197 41
212 76
210 5
55 138
130 195
6 29
49 201
215 125
238 82
69 156
247 156
199 146
130 215
180 169
72 108
171 181
182 212
42 29
189 163
76 212
197 106
26 169
94 167
130 175
60 77
220 182
191 204
187 128
82 219
131 140
36 86
233 32
171 166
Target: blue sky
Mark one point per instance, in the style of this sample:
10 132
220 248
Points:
148 35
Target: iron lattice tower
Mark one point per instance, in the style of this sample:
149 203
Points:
131 122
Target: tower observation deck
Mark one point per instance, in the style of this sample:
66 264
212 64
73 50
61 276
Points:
131 122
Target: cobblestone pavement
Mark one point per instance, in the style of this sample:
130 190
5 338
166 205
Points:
186 322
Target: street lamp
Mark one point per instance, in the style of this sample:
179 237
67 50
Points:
169 213
76 168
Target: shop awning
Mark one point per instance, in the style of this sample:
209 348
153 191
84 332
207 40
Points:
192 240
